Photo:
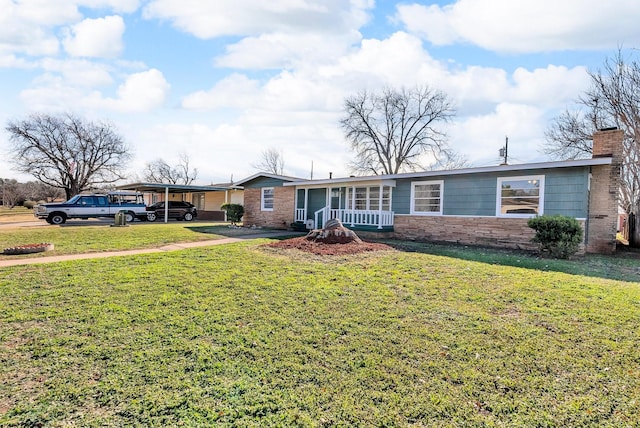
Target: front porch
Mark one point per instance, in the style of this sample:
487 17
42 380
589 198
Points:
359 206
351 218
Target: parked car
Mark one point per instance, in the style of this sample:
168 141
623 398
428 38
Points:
93 205
180 210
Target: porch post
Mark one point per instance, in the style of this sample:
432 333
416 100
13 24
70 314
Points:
226 201
353 205
295 204
380 208
306 202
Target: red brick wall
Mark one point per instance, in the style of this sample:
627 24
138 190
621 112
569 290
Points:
283 208
605 188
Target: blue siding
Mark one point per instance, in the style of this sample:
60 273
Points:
565 192
263 182
470 195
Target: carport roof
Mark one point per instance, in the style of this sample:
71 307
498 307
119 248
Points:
173 188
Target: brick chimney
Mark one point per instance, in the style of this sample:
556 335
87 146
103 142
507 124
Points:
608 143
601 225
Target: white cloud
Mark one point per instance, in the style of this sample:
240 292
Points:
526 25
252 17
79 73
397 60
101 37
120 6
11 61
235 91
479 137
28 26
141 92
549 86
281 50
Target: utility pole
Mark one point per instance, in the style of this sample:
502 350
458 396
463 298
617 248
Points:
504 152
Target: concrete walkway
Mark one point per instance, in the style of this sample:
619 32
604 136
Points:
163 249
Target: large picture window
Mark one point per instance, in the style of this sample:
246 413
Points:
426 197
520 196
267 199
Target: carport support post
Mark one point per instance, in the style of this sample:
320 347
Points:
166 204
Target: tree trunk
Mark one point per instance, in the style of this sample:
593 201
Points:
333 233
633 221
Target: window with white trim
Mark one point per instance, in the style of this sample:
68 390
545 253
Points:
267 199
520 196
360 201
368 198
426 197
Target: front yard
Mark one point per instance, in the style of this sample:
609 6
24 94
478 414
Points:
243 335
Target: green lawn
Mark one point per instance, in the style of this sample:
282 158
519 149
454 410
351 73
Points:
240 335
88 239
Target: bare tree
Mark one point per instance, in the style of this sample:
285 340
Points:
612 100
38 191
68 152
569 135
159 171
448 161
10 192
391 131
271 160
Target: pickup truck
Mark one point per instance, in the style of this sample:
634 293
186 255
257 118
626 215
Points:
92 206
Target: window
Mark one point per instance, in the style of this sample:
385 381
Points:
426 197
520 196
267 199
368 198
360 202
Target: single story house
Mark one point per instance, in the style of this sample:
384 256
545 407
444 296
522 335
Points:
479 206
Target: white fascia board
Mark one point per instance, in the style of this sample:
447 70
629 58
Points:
375 179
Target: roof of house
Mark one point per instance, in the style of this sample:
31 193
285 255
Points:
476 170
268 175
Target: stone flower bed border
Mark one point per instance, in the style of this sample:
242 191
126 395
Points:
28 249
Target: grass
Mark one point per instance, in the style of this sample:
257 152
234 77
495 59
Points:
624 266
87 239
240 335
15 214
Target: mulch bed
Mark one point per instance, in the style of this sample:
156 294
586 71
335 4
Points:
325 249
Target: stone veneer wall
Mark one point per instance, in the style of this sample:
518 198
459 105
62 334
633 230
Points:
604 195
283 211
484 231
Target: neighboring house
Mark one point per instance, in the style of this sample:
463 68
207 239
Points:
479 206
207 199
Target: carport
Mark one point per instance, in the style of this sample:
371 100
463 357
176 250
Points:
166 189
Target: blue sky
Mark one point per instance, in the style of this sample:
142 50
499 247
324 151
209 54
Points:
224 80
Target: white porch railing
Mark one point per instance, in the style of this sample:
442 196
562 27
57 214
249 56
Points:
301 214
354 217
